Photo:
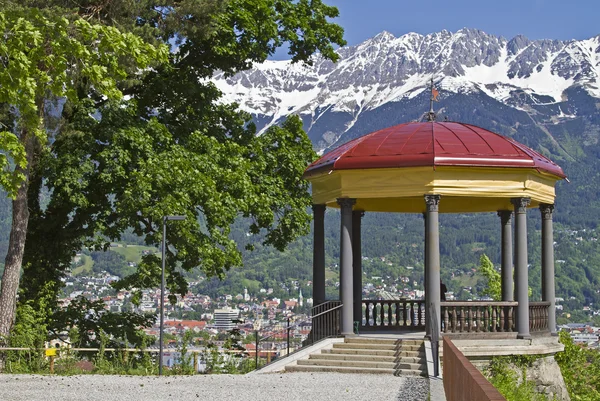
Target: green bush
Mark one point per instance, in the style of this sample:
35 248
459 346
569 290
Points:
580 368
512 384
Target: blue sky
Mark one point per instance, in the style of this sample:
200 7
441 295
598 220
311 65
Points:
536 19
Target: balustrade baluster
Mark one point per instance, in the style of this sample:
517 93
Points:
468 319
486 320
454 319
494 319
445 314
413 315
381 318
398 313
368 314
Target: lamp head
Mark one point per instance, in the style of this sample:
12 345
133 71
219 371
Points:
174 217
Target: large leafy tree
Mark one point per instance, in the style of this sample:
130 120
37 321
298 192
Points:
44 59
173 147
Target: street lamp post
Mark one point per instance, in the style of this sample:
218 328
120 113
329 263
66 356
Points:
162 289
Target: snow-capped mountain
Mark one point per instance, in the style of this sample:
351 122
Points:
534 77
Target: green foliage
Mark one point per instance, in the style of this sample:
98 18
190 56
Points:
29 332
234 359
177 149
112 262
580 368
44 56
512 385
494 283
185 365
98 327
211 181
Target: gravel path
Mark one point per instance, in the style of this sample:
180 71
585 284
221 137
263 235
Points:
287 386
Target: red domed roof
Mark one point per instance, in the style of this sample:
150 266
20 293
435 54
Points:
433 144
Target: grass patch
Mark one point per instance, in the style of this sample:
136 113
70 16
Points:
85 268
133 253
330 274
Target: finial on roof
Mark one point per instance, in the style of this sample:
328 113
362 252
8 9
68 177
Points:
434 95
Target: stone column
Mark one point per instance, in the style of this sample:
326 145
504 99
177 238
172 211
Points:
548 264
521 272
346 296
427 325
357 264
507 255
432 260
318 254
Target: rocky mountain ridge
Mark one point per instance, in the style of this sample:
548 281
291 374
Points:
525 75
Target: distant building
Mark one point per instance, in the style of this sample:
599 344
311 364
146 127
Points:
224 318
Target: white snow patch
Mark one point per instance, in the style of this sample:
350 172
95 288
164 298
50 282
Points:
541 83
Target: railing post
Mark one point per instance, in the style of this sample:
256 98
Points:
446 321
288 335
256 353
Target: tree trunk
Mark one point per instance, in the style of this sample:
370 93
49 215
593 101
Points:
16 248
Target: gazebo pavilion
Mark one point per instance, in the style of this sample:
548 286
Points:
431 168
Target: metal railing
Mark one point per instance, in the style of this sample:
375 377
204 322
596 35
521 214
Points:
324 323
478 317
405 314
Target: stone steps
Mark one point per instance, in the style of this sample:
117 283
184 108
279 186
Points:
364 364
367 355
374 358
340 369
376 346
388 341
391 353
